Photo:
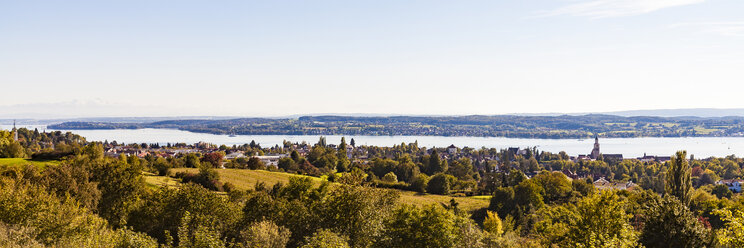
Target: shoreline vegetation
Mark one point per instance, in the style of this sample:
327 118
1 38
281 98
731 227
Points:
509 126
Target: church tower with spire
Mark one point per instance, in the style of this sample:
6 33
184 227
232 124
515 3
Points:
15 131
595 151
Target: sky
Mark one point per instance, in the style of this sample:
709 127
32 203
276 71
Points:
427 57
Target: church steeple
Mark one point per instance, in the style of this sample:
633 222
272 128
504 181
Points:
595 151
15 131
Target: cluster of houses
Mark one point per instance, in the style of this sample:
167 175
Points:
732 184
451 152
269 160
115 150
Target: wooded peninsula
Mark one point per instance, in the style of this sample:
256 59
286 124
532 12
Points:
512 126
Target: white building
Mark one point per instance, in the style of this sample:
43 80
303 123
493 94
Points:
452 149
733 184
272 160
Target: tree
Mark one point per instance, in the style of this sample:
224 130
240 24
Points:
121 186
356 212
669 223
74 181
287 164
528 196
602 222
462 169
430 226
325 238
192 161
197 215
420 183
295 156
678 183
214 158
503 202
266 234
492 223
440 184
722 191
162 166
33 217
732 234
352 142
254 164
390 177
435 164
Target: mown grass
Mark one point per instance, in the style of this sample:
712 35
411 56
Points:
247 179
23 162
155 181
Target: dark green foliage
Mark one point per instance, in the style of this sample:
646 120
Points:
436 165
440 184
668 222
325 238
678 183
352 211
431 226
162 166
207 178
191 207
420 183
255 164
722 191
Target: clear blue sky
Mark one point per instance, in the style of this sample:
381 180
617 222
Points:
271 58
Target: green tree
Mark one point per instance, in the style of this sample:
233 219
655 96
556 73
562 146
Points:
192 161
430 226
492 223
255 164
390 177
440 184
436 165
732 234
266 234
602 222
678 183
420 183
669 223
722 191
325 238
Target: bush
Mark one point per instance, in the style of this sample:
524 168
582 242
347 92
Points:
390 177
419 183
722 191
266 234
440 184
207 178
324 238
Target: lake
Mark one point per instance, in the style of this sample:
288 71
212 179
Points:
630 147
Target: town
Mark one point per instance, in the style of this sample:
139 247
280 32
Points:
269 158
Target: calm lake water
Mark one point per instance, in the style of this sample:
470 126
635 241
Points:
630 147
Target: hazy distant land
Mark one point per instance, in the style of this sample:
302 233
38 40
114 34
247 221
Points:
515 126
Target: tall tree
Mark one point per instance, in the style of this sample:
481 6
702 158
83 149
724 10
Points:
678 183
435 164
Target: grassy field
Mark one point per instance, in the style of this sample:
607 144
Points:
23 161
246 179
155 181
